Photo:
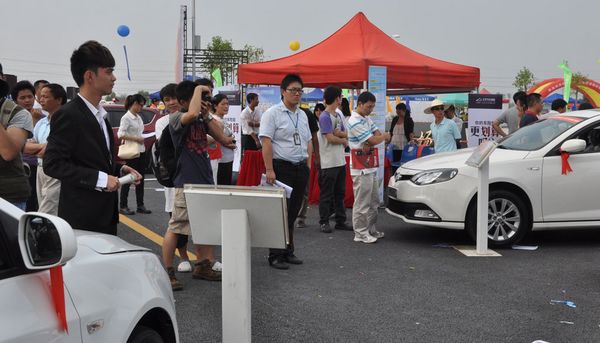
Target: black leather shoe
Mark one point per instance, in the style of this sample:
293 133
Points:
126 211
292 259
343 227
143 209
278 263
325 228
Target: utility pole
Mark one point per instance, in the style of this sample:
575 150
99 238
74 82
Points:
193 40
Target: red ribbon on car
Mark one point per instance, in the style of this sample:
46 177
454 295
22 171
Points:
566 167
58 296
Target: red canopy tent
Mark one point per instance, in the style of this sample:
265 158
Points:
343 59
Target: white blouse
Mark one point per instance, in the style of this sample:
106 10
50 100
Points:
131 125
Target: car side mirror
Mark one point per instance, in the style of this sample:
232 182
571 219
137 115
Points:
573 145
45 240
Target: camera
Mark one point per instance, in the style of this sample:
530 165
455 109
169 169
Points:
206 96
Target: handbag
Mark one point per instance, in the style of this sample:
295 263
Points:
364 160
129 150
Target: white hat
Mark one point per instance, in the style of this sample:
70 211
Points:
435 103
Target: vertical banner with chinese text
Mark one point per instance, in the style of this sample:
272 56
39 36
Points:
378 86
483 110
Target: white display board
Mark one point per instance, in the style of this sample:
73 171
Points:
266 207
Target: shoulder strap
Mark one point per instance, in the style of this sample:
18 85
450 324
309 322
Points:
8 109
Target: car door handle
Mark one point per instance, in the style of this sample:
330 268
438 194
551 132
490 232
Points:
533 168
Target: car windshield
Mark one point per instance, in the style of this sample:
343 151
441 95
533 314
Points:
536 135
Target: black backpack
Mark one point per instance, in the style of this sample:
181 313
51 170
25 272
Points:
164 158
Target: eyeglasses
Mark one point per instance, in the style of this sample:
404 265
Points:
295 90
437 108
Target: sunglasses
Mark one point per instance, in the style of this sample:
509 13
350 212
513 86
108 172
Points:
437 108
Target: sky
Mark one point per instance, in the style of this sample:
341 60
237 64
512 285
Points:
499 37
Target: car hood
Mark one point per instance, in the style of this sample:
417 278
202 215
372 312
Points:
457 159
105 244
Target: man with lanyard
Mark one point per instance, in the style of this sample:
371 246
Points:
363 136
443 130
285 135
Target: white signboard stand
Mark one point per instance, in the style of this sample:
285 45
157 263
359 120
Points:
233 217
480 160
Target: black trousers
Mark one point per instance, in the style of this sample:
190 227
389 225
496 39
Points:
332 182
248 143
137 164
295 176
225 173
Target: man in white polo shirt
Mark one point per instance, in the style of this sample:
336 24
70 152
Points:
363 136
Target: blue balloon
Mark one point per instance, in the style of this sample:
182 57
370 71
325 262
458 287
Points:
123 30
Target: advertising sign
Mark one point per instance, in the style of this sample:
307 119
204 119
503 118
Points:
378 86
483 110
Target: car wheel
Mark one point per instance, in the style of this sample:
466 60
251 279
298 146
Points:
508 219
143 334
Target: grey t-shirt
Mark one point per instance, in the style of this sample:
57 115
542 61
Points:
511 118
193 166
22 119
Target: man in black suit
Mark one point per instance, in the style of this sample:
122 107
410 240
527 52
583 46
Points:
80 151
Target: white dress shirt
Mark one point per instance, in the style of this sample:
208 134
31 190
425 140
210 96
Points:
99 114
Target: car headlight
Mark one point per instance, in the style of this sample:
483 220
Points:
434 176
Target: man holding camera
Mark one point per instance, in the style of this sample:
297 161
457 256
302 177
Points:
189 129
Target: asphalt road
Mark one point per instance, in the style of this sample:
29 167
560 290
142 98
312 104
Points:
403 288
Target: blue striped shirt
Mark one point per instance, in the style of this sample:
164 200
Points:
360 129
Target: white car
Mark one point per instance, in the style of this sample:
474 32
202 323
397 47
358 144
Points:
113 291
527 188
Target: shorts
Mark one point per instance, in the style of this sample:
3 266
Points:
179 222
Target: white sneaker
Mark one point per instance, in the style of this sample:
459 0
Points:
377 234
184 267
365 238
217 267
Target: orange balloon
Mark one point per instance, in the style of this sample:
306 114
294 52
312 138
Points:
294 45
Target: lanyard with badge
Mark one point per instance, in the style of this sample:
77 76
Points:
296 134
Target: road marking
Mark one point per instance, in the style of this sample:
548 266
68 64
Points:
144 231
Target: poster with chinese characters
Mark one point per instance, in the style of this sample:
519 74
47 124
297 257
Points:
378 86
483 110
233 121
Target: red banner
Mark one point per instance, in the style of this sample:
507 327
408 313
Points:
58 296
566 167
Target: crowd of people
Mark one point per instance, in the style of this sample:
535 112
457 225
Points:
58 157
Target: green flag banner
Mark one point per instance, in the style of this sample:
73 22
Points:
216 74
567 75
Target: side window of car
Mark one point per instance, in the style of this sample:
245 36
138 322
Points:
591 136
114 117
147 116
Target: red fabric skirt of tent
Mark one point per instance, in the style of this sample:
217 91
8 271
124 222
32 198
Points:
251 169
314 191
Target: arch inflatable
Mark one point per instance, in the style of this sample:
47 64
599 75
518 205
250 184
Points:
589 89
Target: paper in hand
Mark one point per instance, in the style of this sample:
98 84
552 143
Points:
288 189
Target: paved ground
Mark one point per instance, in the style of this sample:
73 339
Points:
403 289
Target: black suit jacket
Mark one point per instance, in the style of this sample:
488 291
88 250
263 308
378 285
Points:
76 151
